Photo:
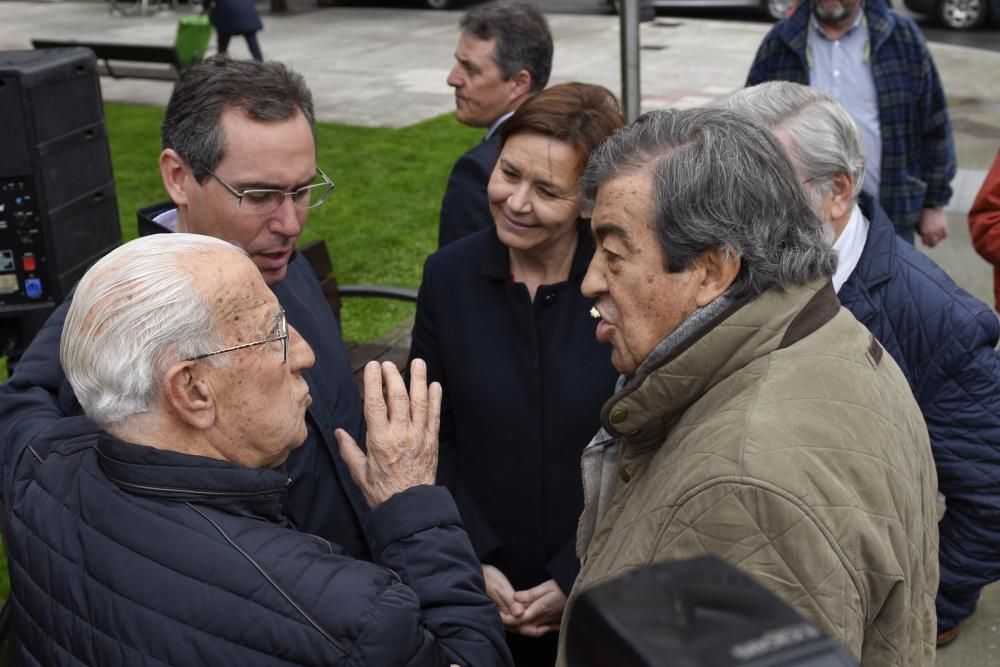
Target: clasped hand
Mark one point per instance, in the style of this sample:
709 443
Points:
532 612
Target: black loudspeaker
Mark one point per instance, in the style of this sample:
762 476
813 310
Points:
694 613
58 212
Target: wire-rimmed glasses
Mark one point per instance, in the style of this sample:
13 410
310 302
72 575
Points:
282 335
267 200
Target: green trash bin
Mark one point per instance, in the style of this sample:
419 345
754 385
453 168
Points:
193 35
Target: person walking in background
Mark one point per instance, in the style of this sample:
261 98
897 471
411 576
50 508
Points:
504 55
235 17
984 224
502 325
875 62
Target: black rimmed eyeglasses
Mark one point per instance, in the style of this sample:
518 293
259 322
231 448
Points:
281 334
267 200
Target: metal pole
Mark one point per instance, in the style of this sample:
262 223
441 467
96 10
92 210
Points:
630 58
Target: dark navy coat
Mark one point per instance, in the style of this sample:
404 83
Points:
465 208
943 339
234 17
523 383
323 498
122 554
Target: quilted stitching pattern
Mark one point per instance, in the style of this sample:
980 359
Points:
944 340
58 610
805 466
104 577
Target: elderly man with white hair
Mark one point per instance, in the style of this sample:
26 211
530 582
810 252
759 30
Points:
155 530
942 337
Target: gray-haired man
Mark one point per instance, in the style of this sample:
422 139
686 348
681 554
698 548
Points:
504 55
755 419
942 337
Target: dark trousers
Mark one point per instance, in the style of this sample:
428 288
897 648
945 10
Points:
533 651
252 44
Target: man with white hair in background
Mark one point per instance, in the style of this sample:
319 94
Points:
942 337
155 530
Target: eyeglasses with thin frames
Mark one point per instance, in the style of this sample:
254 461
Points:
282 335
267 200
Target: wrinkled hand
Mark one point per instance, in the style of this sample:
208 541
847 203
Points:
402 433
933 226
499 590
544 605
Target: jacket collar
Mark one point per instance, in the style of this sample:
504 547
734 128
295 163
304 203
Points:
878 259
748 330
172 476
881 23
876 266
165 475
496 257
495 127
794 30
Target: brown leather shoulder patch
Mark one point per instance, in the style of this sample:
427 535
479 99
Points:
875 352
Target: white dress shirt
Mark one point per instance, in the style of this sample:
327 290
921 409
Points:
849 247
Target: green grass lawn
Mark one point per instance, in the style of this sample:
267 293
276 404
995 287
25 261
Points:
380 223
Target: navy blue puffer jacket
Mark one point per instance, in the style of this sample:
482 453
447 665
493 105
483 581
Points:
126 555
944 340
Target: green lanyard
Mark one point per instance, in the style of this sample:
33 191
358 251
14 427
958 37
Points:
868 43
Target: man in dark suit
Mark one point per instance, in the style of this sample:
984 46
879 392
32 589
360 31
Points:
504 55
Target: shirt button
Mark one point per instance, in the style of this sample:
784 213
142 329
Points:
549 299
625 474
619 415
836 72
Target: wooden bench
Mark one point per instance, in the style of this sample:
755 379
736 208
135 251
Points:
318 256
110 56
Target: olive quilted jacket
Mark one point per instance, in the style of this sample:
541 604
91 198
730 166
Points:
783 439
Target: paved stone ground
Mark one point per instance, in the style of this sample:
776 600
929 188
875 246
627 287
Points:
387 67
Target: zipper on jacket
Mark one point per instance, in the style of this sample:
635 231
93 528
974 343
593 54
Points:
274 584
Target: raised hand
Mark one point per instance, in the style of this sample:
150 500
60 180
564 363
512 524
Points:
402 433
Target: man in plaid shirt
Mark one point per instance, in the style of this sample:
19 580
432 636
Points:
875 62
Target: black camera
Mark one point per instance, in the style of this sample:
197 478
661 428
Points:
694 613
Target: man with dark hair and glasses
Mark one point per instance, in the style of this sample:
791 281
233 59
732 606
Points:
239 164
153 530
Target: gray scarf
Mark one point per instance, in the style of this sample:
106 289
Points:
599 461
